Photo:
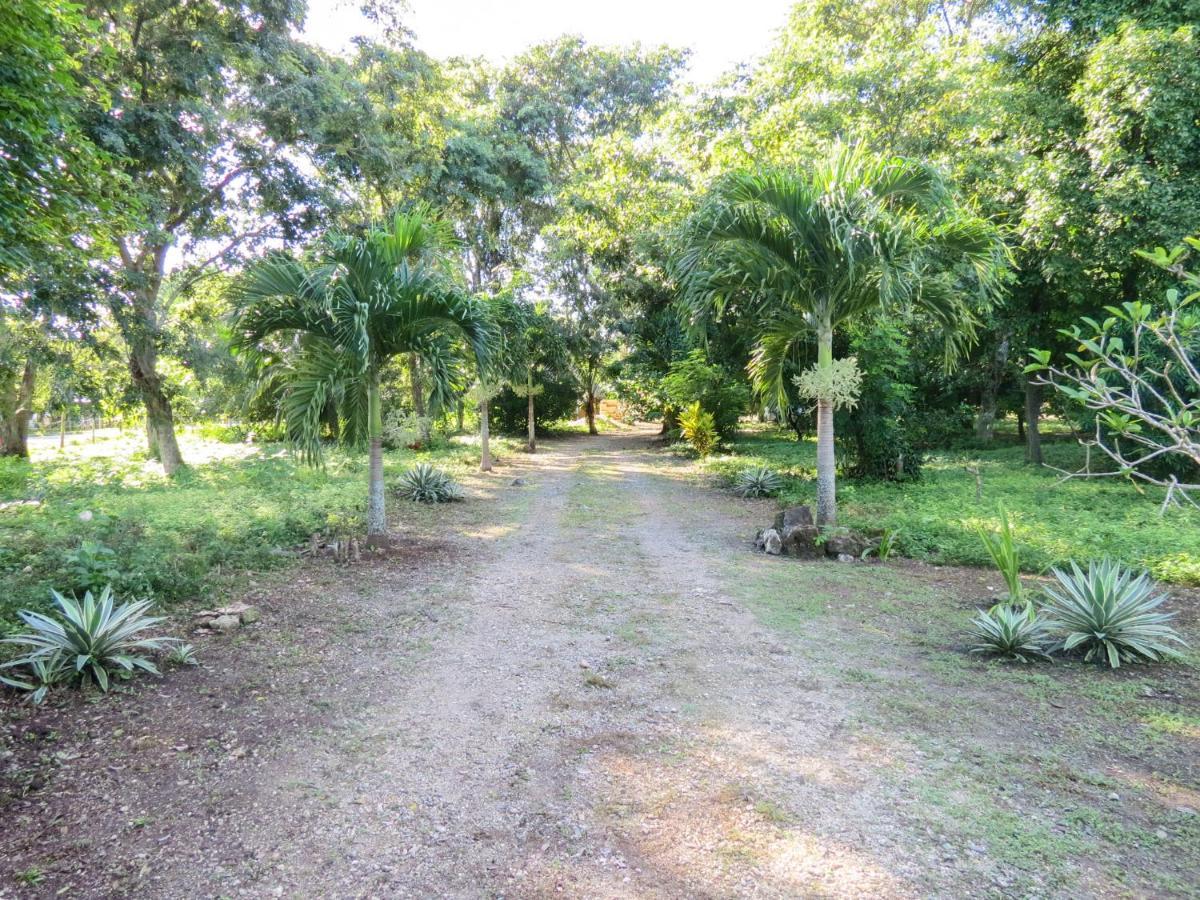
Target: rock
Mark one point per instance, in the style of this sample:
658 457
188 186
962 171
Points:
584 664
250 615
226 623
1114 796
86 516
772 542
759 543
846 557
518 482
789 518
848 544
801 540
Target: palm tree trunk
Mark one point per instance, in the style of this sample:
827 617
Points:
418 396
531 443
376 511
485 451
826 460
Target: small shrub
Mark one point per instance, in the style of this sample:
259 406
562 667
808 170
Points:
760 482
884 546
92 566
1109 612
182 655
1011 632
698 428
93 638
1002 548
425 484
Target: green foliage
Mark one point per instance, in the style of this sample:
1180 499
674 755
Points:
95 638
182 655
699 429
558 400
694 380
1011 631
92 567
425 484
1109 613
1002 548
885 545
939 516
758 482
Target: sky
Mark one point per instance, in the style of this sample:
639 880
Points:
720 35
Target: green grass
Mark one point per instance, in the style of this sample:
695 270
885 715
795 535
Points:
936 516
232 510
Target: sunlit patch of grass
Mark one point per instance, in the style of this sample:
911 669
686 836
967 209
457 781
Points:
935 517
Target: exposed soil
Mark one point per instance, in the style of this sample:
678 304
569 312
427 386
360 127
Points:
588 686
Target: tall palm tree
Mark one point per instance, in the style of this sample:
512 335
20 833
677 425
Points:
799 253
343 313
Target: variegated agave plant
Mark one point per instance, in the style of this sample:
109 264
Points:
91 639
1110 613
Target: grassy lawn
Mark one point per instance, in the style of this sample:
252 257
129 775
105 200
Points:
235 508
936 517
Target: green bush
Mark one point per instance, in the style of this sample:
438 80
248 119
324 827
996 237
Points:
719 392
559 400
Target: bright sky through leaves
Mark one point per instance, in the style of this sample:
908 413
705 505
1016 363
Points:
719 36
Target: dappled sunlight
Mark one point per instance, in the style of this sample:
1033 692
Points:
1165 791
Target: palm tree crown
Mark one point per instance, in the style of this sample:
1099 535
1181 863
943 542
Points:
798 253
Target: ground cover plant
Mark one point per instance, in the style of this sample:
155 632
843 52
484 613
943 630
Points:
236 509
937 518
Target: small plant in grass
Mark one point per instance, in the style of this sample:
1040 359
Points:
699 429
182 655
1110 613
425 484
92 566
37 676
93 639
884 546
1002 548
760 482
1011 632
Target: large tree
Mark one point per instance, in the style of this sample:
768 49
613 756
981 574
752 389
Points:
214 109
803 252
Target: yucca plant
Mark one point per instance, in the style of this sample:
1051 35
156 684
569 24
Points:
885 546
760 482
1012 632
1109 612
425 484
94 638
36 675
1002 548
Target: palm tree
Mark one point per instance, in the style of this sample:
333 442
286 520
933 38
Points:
799 253
357 303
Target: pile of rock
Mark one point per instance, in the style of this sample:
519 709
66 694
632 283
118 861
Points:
225 619
794 533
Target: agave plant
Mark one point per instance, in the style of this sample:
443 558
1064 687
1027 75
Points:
93 638
1110 612
36 675
760 482
425 484
1012 632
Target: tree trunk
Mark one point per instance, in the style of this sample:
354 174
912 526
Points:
14 416
376 509
985 423
62 429
670 421
1033 414
531 443
826 458
1020 424
160 420
485 450
418 396
461 413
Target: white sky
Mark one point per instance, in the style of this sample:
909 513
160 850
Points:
720 35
